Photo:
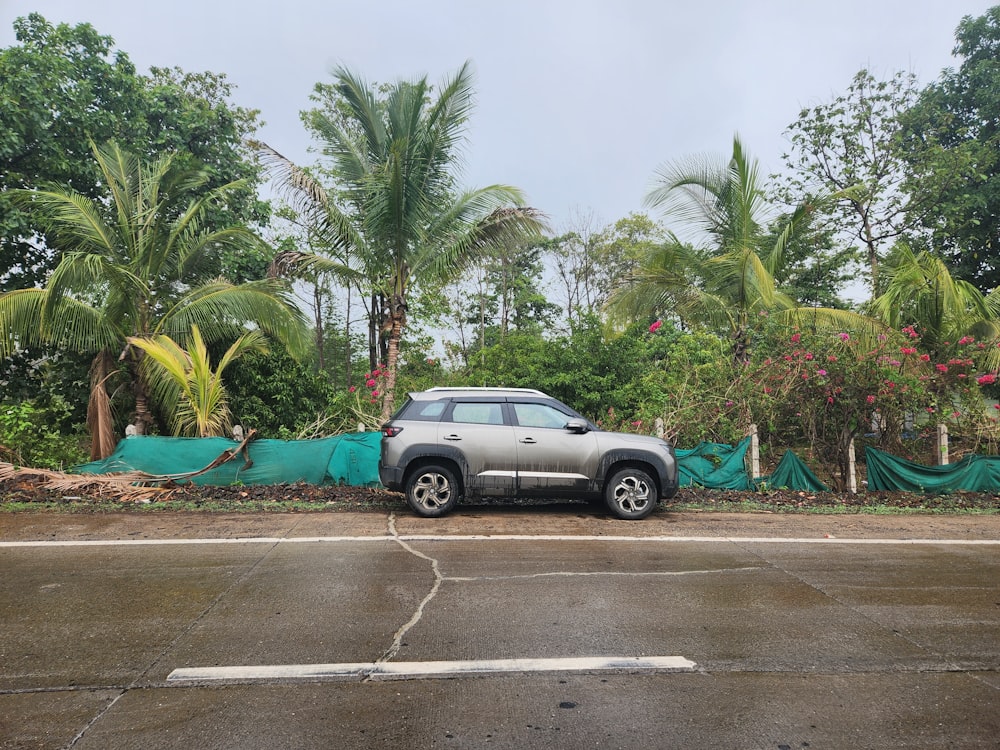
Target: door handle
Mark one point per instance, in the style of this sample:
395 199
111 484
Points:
453 436
528 440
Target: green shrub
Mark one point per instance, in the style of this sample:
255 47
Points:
40 434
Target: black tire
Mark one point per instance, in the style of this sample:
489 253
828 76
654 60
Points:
630 494
432 491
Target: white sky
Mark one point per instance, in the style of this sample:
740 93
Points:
578 101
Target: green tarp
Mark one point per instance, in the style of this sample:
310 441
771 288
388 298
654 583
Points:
972 474
714 465
351 459
791 473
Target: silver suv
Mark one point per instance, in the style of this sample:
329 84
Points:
450 443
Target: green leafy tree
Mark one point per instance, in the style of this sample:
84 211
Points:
952 146
62 87
850 147
137 269
395 162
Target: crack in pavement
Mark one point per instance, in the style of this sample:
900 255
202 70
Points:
397 640
440 578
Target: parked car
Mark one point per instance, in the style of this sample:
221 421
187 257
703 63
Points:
447 444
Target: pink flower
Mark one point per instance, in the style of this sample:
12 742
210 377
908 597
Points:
831 358
352 389
845 336
809 356
925 357
870 399
829 399
987 379
370 382
656 326
966 340
796 337
374 394
941 368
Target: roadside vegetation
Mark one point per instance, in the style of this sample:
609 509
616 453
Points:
849 301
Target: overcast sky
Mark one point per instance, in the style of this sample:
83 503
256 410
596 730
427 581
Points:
578 101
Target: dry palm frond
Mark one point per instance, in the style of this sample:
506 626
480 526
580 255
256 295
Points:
134 486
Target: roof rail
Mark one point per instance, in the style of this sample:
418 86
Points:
486 389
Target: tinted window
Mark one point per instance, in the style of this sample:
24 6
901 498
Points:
477 413
540 415
424 411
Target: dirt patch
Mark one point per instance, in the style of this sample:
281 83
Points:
309 510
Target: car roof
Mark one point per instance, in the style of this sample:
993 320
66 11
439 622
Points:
440 392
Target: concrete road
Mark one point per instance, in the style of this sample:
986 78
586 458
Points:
499 628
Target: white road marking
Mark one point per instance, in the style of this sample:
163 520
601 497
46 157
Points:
492 538
412 669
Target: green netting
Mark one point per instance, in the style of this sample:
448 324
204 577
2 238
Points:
973 473
351 458
714 465
791 473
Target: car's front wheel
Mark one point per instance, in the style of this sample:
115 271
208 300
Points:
630 494
431 491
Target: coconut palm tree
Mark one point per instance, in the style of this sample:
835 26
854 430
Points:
920 291
395 159
725 276
186 379
135 266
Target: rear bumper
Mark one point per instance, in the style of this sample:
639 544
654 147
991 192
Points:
391 477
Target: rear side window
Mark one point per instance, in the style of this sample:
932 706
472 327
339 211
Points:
422 411
479 412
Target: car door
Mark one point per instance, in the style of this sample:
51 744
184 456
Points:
552 459
476 429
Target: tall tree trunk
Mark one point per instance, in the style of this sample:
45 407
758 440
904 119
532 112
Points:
347 340
318 322
397 323
143 416
374 321
99 419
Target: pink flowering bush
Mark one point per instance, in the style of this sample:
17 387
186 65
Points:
829 388
363 404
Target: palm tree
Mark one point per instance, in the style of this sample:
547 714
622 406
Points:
920 291
186 378
395 160
135 267
728 280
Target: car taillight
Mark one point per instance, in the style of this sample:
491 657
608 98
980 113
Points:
390 431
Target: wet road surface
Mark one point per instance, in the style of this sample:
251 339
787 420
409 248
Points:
284 632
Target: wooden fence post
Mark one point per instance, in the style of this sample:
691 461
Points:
754 453
852 469
942 445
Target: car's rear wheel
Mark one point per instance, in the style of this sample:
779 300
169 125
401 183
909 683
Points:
431 491
630 494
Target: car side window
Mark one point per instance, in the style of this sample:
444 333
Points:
540 415
424 411
477 413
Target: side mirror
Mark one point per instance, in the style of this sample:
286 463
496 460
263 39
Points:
577 426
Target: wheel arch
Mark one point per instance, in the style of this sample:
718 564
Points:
616 464
454 463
